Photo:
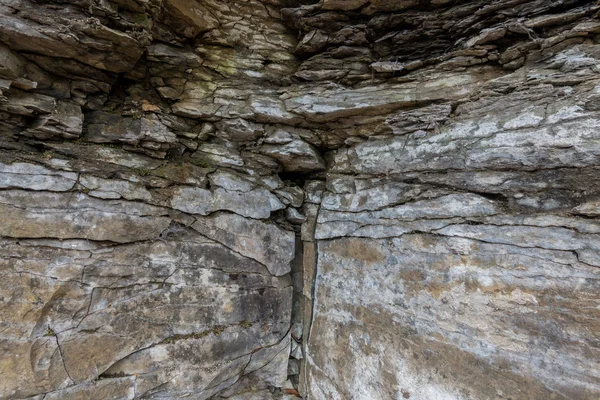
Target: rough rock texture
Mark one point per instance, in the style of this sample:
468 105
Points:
144 253
266 199
456 242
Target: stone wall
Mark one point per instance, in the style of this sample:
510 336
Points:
262 199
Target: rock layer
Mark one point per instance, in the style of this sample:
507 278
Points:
256 199
450 254
144 254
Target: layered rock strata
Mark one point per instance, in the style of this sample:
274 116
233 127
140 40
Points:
145 247
454 243
256 199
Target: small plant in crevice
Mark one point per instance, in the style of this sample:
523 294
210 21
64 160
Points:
110 145
140 19
201 163
143 171
112 376
245 324
217 330
136 114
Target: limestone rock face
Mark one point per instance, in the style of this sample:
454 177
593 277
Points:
455 248
144 254
268 199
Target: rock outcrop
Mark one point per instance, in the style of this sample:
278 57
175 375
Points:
266 199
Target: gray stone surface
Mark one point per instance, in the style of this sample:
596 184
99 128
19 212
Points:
401 196
35 177
261 241
255 203
456 240
447 300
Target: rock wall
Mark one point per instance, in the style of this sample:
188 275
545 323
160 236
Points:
262 199
145 247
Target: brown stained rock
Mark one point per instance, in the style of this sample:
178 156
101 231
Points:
33 30
20 380
190 18
343 5
93 297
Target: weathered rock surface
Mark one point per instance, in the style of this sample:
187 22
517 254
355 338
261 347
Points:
402 196
144 254
454 251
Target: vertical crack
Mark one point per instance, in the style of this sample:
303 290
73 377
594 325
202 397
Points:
307 328
62 358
